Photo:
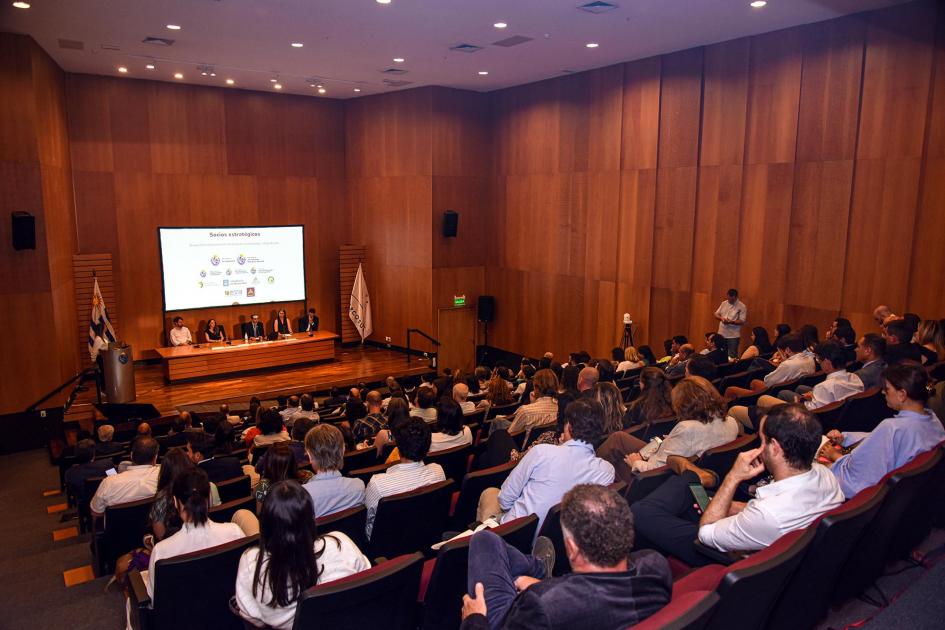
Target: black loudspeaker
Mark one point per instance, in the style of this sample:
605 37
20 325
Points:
450 223
24 230
486 308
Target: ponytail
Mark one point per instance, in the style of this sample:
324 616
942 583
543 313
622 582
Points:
192 490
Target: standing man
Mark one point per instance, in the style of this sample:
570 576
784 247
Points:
180 334
309 323
731 315
254 328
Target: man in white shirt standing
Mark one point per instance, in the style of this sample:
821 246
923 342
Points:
180 334
802 490
138 481
731 314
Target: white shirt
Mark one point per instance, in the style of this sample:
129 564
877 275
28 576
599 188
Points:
340 557
443 441
398 478
135 483
191 538
427 415
778 508
795 366
98 344
180 336
837 386
623 366
467 406
738 312
688 438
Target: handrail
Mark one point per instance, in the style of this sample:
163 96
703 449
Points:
420 332
87 373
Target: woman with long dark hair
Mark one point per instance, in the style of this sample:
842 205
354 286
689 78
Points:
282 325
654 401
214 332
290 558
760 343
280 465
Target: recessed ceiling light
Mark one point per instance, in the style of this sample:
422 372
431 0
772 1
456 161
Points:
22 5
297 44
319 85
173 27
592 44
273 80
204 73
483 72
383 1
178 75
278 86
230 81
757 4
398 60
150 66
122 69
357 89
322 90
500 25
213 74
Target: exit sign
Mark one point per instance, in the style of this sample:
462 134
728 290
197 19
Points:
459 300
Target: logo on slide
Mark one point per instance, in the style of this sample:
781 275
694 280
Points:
229 271
252 270
203 273
271 280
226 282
200 284
214 260
250 292
241 259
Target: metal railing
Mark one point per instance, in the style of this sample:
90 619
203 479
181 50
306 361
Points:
422 334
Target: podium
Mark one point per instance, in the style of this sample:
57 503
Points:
119 373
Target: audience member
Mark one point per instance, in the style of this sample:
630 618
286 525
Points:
138 481
374 421
931 337
718 349
809 336
760 344
144 430
781 330
587 378
450 431
646 353
231 419
85 467
542 410
202 450
701 365
291 408
280 465
871 353
624 587
630 360
794 362
881 313
271 429
424 405
105 446
677 367
899 345
460 393
330 491
654 401
611 402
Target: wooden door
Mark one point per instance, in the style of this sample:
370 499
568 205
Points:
456 331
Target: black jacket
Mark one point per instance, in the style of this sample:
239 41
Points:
303 324
222 468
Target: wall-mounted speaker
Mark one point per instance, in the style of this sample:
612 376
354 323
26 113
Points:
485 308
450 223
24 230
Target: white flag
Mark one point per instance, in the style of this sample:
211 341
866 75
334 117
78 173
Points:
99 316
359 309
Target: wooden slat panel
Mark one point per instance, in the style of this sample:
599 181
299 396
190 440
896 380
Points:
349 257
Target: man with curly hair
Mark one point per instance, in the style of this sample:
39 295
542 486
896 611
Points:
610 586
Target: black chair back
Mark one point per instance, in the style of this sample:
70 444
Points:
384 596
727 369
355 460
84 508
365 474
124 529
454 461
721 458
233 489
411 521
864 411
503 410
224 512
739 379
551 529
829 415
193 591
476 417
535 432
351 522
644 483
648 430
464 512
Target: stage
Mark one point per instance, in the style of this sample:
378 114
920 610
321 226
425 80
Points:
350 366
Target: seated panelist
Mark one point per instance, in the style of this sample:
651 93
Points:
180 334
282 325
254 328
309 323
214 332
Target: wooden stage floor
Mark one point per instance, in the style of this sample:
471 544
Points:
350 366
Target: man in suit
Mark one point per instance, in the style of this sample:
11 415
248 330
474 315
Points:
512 590
254 329
718 349
105 446
899 346
202 451
309 323
85 468
871 353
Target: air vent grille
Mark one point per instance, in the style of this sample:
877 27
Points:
393 71
71 44
395 82
598 7
158 41
466 48
515 40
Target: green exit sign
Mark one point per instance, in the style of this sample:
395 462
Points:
459 300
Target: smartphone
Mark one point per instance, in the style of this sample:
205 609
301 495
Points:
110 472
700 495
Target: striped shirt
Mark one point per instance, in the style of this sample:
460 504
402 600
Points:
398 478
542 411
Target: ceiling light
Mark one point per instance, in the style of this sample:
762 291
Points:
150 66
173 27
213 74
122 69
178 75
383 1
357 89
322 90
273 80
278 86
483 72
592 44
319 85
230 81
22 5
399 59
297 44
500 25
757 4
204 73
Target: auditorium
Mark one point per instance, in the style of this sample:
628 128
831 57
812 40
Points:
471 314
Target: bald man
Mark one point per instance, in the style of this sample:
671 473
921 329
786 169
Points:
881 313
587 380
460 393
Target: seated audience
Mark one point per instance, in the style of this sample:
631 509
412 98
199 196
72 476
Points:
760 344
809 335
546 472
654 402
105 446
424 404
895 441
718 349
931 336
588 377
871 355
218 466
498 393
699 365
191 492
780 331
793 360
609 586
85 467
801 492
630 360
413 441
291 408
677 366
231 419
703 424
271 429
542 410
330 491
296 444
460 393
881 313
646 353
449 431
290 558
611 402
137 481
675 344
374 421
899 346
280 465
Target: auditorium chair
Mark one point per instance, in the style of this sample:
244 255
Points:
536 432
355 460
444 578
84 508
350 522
365 474
646 482
937 371
411 521
119 532
551 529
235 488
384 596
648 430
829 415
467 500
256 453
721 458
192 591
749 588
476 417
868 558
806 597
503 410
733 367
454 461
863 411
740 379
224 512
916 522
689 611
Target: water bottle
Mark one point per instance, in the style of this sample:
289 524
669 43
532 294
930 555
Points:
245 337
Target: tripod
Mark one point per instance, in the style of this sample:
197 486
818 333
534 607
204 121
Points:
627 336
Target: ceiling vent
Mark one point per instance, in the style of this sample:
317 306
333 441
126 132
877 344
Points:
395 83
110 47
515 40
598 7
466 48
71 44
393 71
158 41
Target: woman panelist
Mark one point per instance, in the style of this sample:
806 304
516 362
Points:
282 326
214 332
